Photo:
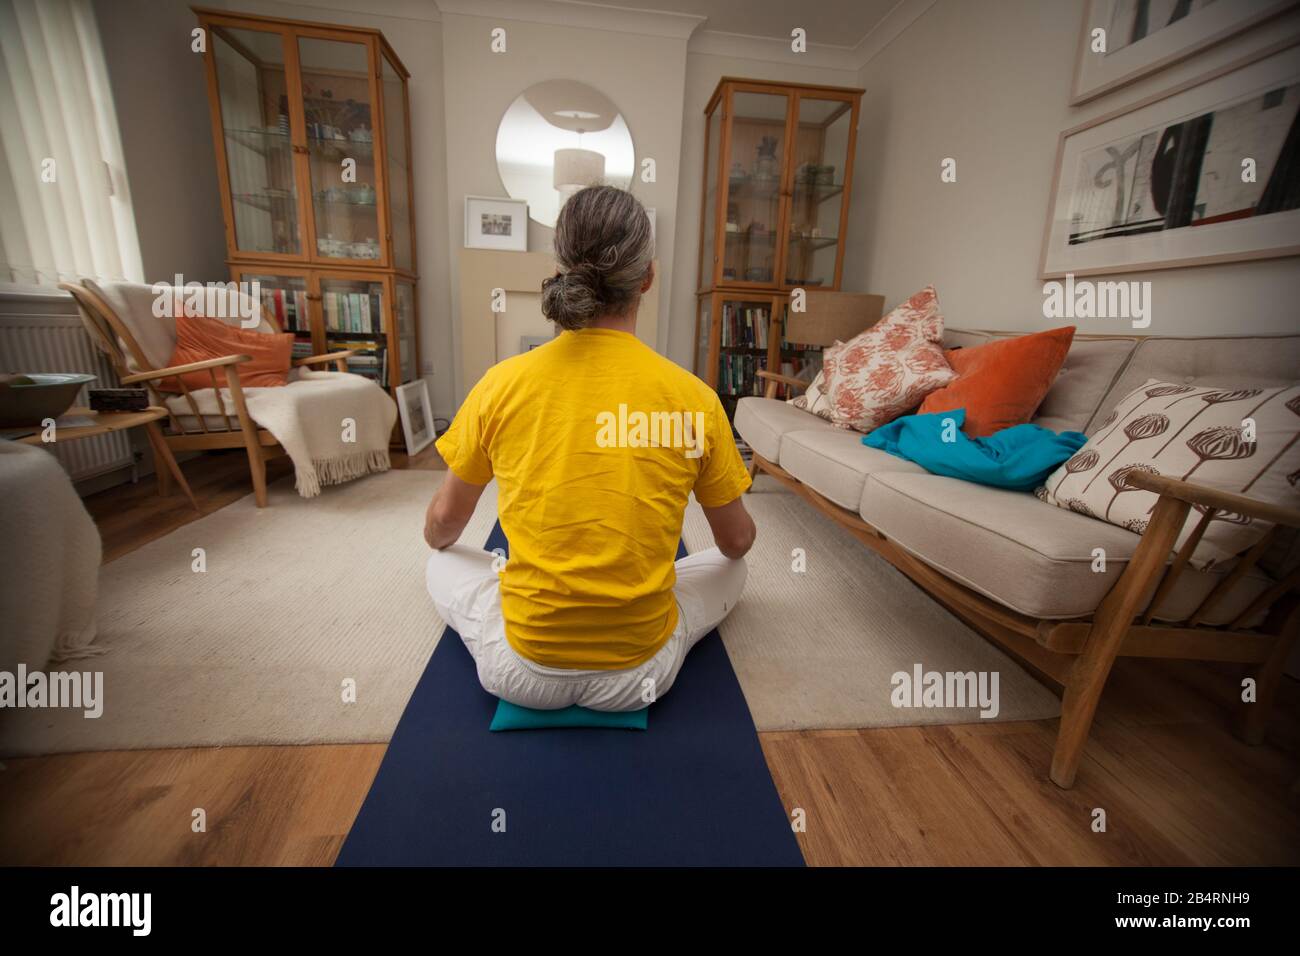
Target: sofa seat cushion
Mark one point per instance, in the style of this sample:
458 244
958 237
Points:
1021 552
762 422
835 463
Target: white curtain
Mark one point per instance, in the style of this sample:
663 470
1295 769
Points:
57 123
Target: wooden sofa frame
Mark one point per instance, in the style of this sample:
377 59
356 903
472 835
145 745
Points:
237 430
1079 653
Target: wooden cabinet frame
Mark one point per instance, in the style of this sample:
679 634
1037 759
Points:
712 287
308 264
710 273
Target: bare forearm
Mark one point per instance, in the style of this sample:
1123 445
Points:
440 534
733 528
449 512
738 546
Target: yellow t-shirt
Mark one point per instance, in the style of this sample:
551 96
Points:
595 442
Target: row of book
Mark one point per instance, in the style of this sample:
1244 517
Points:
371 360
353 312
745 327
738 374
748 327
344 311
289 308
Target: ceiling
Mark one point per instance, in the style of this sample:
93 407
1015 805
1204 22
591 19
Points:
829 22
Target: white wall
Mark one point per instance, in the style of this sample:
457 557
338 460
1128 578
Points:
160 97
641 73
703 70
988 84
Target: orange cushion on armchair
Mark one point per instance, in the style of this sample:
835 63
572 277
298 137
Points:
199 339
1003 382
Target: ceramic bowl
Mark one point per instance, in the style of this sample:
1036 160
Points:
29 399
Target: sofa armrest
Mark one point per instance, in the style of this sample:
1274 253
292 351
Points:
1195 494
776 378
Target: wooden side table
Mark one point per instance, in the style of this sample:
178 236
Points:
105 422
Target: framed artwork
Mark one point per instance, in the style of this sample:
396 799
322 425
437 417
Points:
1123 40
529 342
1208 171
417 415
495 223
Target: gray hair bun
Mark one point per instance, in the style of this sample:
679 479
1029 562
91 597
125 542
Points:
603 246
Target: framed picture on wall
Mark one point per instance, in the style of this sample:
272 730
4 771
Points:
1124 40
417 415
1208 171
495 223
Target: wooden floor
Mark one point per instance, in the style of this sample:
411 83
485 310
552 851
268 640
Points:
1175 787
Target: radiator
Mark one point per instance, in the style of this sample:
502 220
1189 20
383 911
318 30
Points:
34 340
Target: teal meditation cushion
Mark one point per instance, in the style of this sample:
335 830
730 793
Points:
513 717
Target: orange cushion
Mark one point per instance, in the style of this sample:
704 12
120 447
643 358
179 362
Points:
199 339
1001 383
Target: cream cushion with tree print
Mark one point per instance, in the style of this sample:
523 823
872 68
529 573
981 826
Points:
1244 440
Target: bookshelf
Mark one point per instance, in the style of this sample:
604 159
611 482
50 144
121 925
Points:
749 337
777 181
311 127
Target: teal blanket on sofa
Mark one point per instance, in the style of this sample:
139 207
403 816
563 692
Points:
1019 458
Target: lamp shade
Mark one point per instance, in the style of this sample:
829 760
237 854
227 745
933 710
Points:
577 167
832 317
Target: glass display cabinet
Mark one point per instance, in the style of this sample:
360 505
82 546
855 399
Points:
777 177
311 126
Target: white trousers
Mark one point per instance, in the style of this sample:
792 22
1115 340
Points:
465 590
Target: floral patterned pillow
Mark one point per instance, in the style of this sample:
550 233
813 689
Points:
1243 440
888 369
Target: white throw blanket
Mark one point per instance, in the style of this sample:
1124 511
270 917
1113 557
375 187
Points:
49 562
334 425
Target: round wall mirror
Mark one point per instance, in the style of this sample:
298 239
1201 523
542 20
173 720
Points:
557 137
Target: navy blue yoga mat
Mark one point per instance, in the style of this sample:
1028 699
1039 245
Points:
693 790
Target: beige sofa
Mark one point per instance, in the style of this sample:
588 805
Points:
1021 571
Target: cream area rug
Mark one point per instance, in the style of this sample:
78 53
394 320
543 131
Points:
818 648
308 597
296 599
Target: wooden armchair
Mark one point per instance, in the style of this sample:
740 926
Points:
228 427
1078 654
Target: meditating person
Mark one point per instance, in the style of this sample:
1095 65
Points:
596 442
